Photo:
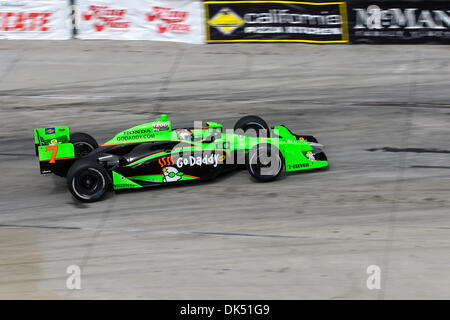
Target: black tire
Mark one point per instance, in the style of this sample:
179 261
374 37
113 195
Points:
252 122
265 162
83 144
87 181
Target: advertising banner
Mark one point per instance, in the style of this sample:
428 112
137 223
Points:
399 21
35 19
108 19
177 20
276 21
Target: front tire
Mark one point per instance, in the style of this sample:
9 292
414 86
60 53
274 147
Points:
87 181
265 162
252 123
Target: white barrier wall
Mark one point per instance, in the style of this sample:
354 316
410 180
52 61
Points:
35 19
169 20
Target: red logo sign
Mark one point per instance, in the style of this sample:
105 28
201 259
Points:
106 18
168 19
166 161
24 21
160 126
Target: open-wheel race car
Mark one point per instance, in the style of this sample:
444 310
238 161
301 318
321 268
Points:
154 154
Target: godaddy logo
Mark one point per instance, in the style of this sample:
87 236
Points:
212 159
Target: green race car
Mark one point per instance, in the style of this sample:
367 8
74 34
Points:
154 153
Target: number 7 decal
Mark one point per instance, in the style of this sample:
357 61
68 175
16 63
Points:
54 150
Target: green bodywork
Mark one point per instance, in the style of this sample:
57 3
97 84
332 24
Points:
121 182
212 138
62 151
53 148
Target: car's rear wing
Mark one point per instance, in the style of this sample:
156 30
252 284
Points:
54 149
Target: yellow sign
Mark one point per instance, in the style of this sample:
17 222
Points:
226 21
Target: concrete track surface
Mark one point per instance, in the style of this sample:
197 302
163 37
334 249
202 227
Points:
382 113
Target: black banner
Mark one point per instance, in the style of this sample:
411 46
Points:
225 309
399 21
276 21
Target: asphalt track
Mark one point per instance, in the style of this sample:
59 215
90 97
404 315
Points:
382 113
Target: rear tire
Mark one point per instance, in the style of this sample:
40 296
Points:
265 162
83 144
252 122
87 181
